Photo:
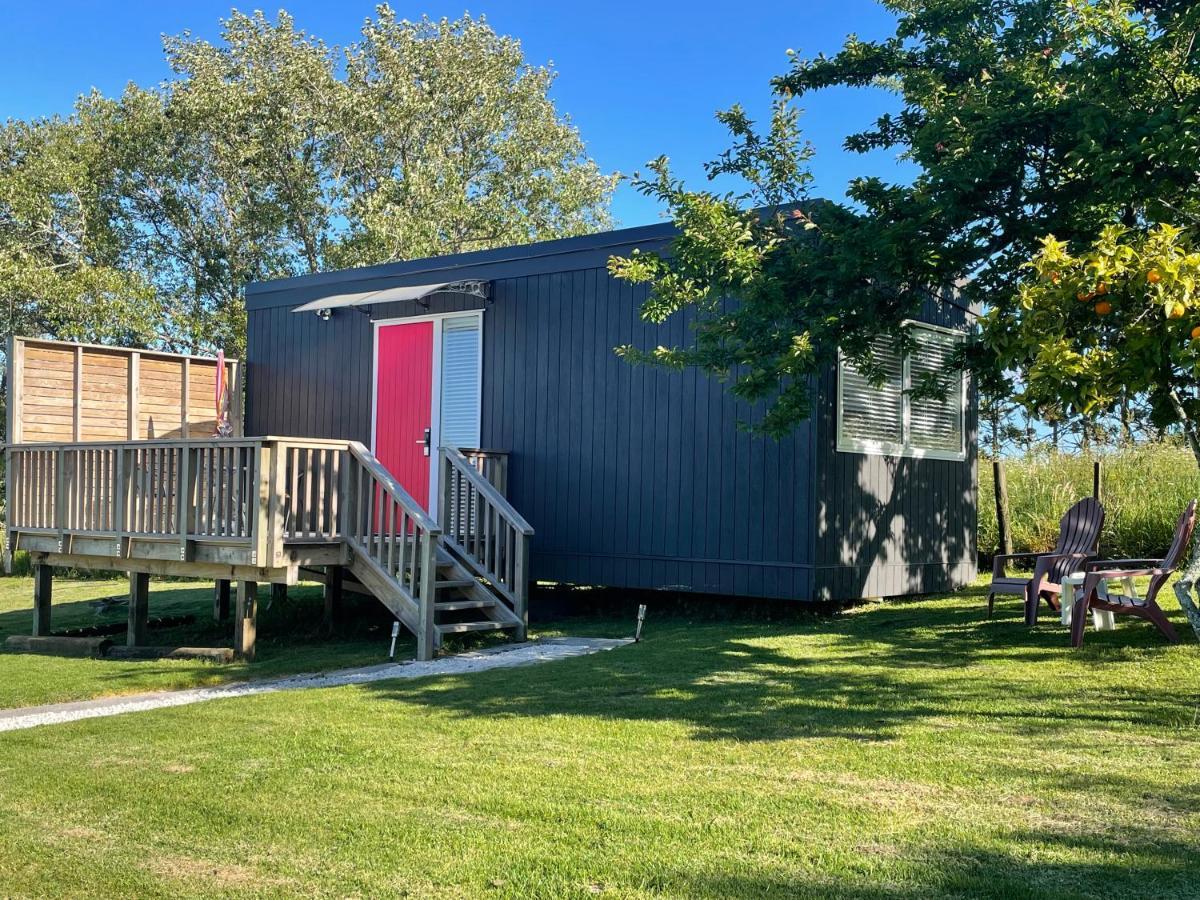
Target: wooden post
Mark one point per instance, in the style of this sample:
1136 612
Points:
132 374
235 397
60 495
186 517
139 608
15 376
1001 485
77 400
245 628
333 597
426 597
1097 481
521 585
221 601
185 377
43 591
278 594
260 507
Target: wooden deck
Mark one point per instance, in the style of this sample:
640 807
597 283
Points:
250 510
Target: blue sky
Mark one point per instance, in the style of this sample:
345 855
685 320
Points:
638 79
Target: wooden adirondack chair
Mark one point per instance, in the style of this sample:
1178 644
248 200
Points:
1095 593
1078 542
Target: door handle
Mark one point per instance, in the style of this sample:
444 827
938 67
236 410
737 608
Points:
427 440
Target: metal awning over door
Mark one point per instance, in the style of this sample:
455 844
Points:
416 292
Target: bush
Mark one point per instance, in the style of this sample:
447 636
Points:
1144 489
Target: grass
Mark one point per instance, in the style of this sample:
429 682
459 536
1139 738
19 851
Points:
290 640
899 750
1144 488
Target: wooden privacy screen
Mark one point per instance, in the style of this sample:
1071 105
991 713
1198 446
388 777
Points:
60 392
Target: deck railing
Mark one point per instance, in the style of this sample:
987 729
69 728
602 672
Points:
227 492
238 502
483 528
382 522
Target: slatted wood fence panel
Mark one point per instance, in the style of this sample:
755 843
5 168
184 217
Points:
61 392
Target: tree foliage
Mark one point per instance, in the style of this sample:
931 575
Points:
1024 118
141 217
1121 315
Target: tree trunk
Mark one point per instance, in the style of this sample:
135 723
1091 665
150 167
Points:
1189 581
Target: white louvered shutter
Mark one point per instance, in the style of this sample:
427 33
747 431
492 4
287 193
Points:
935 423
460 382
873 416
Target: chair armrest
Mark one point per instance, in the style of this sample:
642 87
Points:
999 560
1122 564
1097 577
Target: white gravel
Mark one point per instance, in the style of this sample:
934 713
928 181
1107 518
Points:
503 657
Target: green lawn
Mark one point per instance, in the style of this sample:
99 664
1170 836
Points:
901 750
290 640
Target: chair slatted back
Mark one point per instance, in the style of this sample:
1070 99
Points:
1078 532
1183 537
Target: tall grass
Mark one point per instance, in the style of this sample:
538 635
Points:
1144 489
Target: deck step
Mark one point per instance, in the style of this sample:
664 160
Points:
455 583
461 627
452 605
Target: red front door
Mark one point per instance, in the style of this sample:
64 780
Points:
404 404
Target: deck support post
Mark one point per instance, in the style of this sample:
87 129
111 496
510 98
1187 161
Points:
278 594
139 608
43 591
333 597
221 601
427 637
245 628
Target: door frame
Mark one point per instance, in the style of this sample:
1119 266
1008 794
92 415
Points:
435 413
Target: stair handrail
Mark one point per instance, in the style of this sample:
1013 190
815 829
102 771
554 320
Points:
381 531
484 529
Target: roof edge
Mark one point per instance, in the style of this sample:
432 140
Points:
458 261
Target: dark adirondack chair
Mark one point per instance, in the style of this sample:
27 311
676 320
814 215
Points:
1095 593
1078 542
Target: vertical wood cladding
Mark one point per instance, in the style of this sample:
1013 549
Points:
634 476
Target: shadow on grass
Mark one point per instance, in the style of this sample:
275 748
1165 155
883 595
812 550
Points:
291 632
864 675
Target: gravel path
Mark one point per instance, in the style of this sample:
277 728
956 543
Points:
503 657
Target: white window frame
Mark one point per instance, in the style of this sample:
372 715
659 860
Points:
435 413
848 444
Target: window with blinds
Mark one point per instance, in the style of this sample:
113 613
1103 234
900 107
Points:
887 418
460 382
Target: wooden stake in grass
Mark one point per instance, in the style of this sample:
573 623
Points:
1000 480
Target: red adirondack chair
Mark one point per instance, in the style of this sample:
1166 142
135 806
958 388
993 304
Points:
1095 593
1078 542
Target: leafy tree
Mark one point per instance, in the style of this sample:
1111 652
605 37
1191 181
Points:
1024 118
268 154
1119 316
448 141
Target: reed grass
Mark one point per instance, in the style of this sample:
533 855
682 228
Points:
1144 488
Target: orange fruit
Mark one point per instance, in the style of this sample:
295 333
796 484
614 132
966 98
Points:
1153 277
1103 308
1083 297
1102 288
1176 310
1196 333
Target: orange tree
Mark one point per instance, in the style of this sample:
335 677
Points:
1119 317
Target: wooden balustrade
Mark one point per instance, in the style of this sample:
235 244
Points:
229 492
491 464
385 525
270 503
482 527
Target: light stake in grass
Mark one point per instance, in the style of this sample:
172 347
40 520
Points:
641 619
395 634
